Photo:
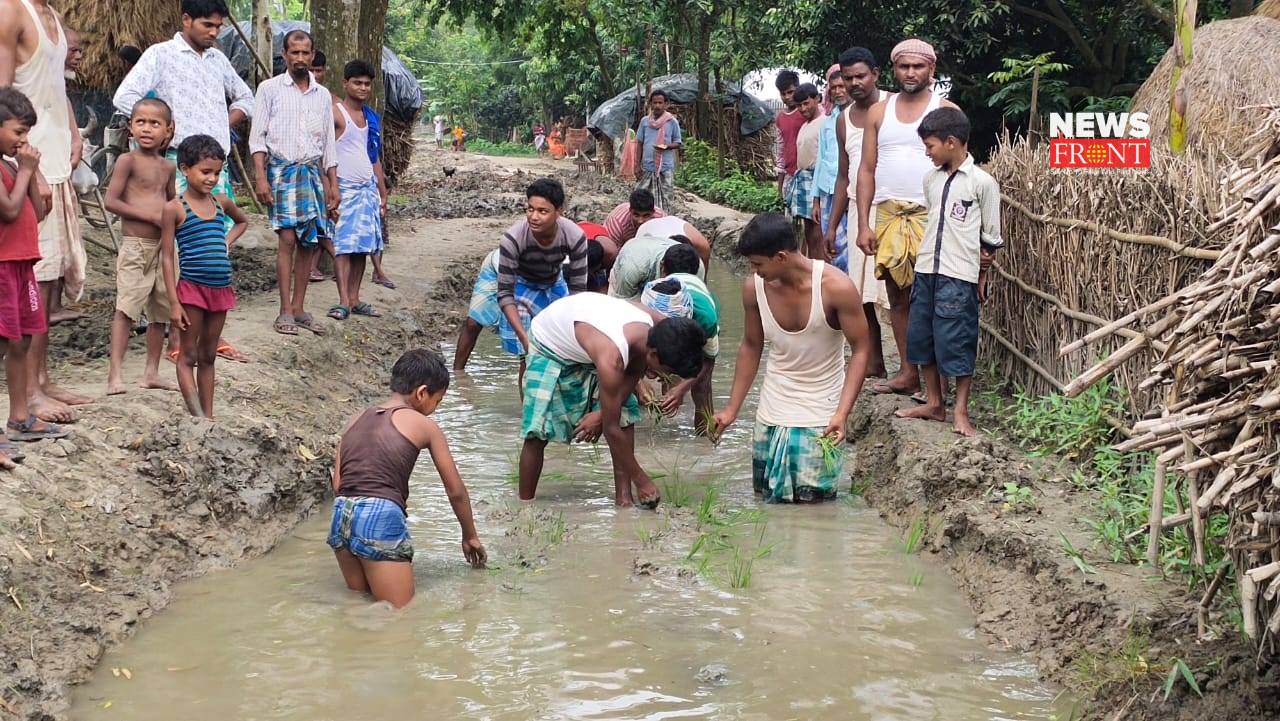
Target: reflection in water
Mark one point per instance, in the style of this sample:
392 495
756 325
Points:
838 623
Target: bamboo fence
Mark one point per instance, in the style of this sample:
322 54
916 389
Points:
1088 248
1213 372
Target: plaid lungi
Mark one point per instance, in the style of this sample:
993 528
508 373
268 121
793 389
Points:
359 227
484 294
557 394
661 184
298 202
222 187
788 466
530 297
841 260
799 204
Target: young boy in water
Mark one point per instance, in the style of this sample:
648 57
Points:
143 182
369 532
962 235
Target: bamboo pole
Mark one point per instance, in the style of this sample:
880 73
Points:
1184 17
1155 518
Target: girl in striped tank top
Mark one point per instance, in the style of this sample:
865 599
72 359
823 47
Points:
195 257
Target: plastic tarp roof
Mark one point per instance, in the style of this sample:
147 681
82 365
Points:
614 116
403 94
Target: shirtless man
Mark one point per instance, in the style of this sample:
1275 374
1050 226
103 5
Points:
33 55
895 187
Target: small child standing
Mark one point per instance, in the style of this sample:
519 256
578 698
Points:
21 315
141 185
962 236
369 532
195 255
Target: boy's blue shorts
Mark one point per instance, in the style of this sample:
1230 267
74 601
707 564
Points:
374 529
943 326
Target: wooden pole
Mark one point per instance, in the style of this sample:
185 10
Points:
1033 122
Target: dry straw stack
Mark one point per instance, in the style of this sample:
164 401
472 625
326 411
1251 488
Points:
105 26
1216 423
397 146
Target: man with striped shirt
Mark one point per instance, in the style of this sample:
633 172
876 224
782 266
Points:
529 273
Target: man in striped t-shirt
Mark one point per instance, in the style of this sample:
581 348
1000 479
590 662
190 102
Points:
527 273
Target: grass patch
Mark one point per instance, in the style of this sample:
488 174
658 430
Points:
487 147
698 172
914 540
729 543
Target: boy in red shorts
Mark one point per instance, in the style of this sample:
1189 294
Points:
21 315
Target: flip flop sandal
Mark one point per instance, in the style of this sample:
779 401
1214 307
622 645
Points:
883 388
318 277
385 283
920 397
173 355
284 325
14 453
26 431
228 351
339 312
365 309
306 321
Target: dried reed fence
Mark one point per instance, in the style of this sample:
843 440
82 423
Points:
1215 421
1087 249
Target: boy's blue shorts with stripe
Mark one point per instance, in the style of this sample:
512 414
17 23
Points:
374 529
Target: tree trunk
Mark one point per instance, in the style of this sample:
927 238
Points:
605 77
681 31
372 33
262 37
702 107
720 123
335 25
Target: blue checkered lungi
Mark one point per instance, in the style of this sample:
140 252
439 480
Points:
530 297
298 199
841 260
359 228
799 204
374 529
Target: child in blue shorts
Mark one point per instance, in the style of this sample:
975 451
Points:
369 532
961 237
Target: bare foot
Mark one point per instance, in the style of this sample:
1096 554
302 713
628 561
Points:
115 386
963 425
877 372
647 494
63 315
6 462
65 396
49 410
927 413
899 384
159 383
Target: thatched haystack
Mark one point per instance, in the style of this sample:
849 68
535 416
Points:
1215 422
1087 248
397 147
1235 68
105 26
1268 9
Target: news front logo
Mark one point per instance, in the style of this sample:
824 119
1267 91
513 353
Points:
1099 141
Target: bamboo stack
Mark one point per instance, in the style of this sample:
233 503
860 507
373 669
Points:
1216 429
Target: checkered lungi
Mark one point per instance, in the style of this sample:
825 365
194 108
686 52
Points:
788 466
359 227
557 394
799 204
298 202
841 260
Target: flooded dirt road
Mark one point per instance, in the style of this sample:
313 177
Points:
588 611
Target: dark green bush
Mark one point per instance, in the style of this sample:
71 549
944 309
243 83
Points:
697 173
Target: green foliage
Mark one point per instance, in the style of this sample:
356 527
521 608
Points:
1176 669
1018 497
698 173
1017 80
1076 556
1069 427
914 540
730 541
1113 104
486 147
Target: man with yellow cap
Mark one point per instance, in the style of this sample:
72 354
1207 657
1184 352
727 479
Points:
890 190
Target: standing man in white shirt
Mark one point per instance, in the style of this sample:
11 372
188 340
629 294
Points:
33 55
296 165
190 74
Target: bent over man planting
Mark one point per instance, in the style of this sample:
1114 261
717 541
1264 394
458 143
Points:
587 354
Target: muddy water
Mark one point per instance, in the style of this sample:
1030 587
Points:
837 622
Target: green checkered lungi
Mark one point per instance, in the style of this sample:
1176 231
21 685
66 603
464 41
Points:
557 394
787 465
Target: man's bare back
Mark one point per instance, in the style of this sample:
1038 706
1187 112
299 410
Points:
148 183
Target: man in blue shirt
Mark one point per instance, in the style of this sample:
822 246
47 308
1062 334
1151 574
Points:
659 137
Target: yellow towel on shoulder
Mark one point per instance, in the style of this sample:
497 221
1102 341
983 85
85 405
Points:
899 230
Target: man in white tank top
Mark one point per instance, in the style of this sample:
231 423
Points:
807 310
861 76
891 178
33 54
587 353
362 190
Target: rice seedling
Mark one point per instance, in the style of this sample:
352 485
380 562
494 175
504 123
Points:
832 452
859 485
707 420
912 542
676 492
917 579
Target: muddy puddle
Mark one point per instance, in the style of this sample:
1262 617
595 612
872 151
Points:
589 612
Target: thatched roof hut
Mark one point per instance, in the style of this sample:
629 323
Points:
1235 68
105 26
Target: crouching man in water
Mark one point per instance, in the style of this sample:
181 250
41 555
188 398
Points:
369 533
587 345
807 310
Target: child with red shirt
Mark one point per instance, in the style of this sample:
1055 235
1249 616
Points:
20 313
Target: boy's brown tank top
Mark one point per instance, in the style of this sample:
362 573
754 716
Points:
375 459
